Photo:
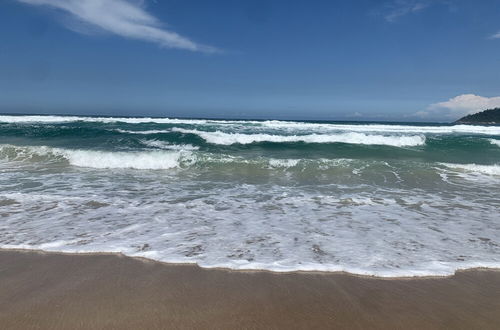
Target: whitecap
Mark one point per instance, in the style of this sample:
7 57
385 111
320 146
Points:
475 168
168 146
151 160
495 142
223 138
272 124
283 163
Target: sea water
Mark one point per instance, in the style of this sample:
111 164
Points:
366 198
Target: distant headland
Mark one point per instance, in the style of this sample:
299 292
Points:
491 116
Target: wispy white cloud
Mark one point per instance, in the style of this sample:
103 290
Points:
125 18
460 106
399 8
393 10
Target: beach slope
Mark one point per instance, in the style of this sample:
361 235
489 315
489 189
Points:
105 291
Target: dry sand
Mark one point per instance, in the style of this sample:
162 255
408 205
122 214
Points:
58 291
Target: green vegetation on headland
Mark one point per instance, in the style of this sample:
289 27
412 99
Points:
491 116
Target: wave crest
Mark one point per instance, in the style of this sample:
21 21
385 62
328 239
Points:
324 127
142 160
168 146
474 168
223 138
495 142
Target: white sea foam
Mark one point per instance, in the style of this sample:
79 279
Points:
283 163
223 138
474 168
19 153
272 124
495 142
145 132
174 156
381 233
383 128
152 160
168 146
67 119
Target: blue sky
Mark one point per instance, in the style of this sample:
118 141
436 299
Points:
425 60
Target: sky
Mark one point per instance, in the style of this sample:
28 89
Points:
394 60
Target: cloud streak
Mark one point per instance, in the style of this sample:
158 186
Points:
123 18
399 8
393 10
460 106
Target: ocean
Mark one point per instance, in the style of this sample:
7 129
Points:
383 199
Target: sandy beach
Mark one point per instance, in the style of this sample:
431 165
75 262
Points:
60 291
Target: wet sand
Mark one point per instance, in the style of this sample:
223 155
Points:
59 291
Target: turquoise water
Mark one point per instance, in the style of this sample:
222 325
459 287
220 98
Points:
399 199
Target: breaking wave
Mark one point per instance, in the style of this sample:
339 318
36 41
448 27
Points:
223 138
146 132
168 146
383 128
474 168
495 142
145 160
269 124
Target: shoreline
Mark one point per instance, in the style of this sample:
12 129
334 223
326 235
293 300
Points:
227 269
54 290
